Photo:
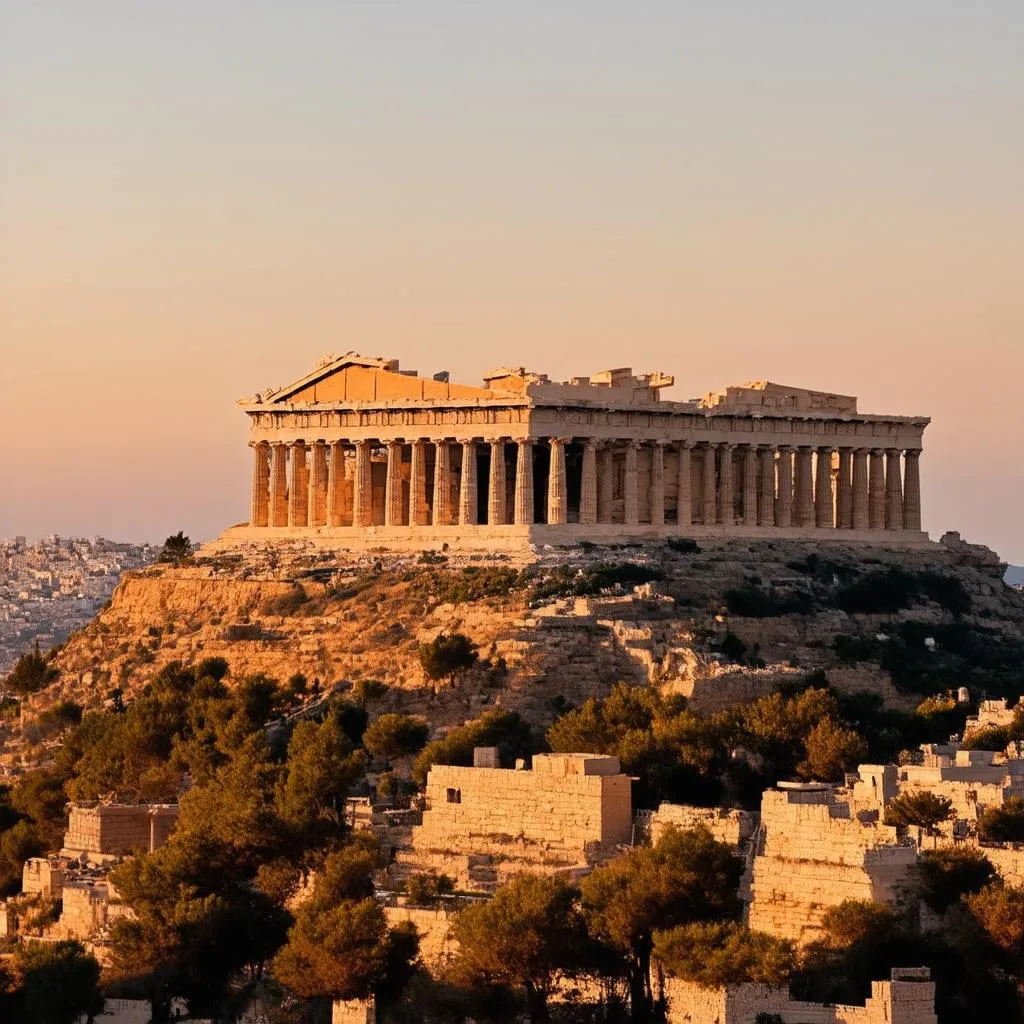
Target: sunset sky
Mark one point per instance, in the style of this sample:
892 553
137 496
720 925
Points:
199 199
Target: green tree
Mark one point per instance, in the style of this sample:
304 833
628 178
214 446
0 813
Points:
55 983
1003 824
830 751
686 877
999 910
945 876
393 736
17 843
714 954
528 936
320 769
340 946
923 809
176 548
447 655
504 729
31 673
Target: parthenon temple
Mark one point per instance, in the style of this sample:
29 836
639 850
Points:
360 451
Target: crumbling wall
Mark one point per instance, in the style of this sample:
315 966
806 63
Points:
725 824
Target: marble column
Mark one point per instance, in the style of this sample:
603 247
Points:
468 513
394 511
684 506
278 514
524 482
335 482
876 490
824 498
588 483
259 514
912 490
419 511
784 503
750 485
442 483
804 488
631 497
766 487
893 490
298 487
859 512
844 496
605 484
726 490
707 501
317 484
657 496
497 511
362 511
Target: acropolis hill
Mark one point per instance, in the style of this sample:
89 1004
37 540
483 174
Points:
387 508
362 453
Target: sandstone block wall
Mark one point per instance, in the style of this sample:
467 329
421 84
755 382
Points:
44 875
726 825
354 1011
814 856
434 927
909 998
483 810
119 829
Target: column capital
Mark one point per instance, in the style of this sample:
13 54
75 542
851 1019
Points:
522 441
560 440
688 445
915 452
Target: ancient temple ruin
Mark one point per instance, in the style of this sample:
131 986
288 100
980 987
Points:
362 451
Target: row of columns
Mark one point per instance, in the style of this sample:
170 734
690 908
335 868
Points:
858 488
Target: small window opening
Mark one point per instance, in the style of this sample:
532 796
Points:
455 796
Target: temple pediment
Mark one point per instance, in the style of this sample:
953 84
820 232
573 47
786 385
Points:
353 378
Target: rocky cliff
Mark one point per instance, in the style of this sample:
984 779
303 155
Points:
719 625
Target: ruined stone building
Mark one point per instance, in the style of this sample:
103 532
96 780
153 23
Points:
360 451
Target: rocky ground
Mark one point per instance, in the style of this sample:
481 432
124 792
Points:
334 618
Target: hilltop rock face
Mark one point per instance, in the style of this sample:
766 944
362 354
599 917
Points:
720 625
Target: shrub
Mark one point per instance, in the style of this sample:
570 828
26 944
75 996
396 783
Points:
683 545
447 655
285 604
503 729
753 602
944 876
393 736
1003 824
425 888
176 548
881 592
31 672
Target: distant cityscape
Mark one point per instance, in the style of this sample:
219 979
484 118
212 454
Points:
52 586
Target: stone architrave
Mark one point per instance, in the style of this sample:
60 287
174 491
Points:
824 500
766 487
893 490
784 503
876 490
362 513
860 520
605 484
497 512
912 490
394 511
804 488
442 483
588 483
631 494
658 484
335 483
468 485
523 511
684 505
298 487
259 515
419 511
750 485
726 490
708 481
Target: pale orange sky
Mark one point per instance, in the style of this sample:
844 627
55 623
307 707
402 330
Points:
201 199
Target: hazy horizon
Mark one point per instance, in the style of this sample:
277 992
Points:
198 200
